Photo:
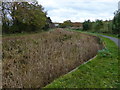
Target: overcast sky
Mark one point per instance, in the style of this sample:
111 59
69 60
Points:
79 10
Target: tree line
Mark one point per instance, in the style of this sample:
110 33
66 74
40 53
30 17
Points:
66 24
108 26
18 17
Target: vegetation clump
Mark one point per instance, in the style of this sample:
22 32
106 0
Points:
35 60
100 26
20 17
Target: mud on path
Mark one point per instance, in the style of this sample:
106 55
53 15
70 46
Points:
36 60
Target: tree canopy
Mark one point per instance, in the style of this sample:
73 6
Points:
116 23
87 25
66 24
23 17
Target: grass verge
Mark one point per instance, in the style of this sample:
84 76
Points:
101 72
89 32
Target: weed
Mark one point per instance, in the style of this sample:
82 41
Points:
36 60
104 53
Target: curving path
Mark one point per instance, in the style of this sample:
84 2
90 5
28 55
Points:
116 40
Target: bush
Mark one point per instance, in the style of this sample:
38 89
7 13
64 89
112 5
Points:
104 53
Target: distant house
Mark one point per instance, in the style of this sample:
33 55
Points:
77 25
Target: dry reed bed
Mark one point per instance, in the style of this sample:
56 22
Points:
36 60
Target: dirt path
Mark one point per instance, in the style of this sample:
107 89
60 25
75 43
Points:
116 40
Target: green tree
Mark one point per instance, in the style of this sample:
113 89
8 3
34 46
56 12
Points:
98 25
87 25
49 24
116 23
5 20
66 24
31 16
23 17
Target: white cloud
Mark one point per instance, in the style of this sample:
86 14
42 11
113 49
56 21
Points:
79 10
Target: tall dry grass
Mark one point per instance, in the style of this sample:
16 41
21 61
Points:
34 61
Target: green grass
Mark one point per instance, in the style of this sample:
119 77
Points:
89 32
101 72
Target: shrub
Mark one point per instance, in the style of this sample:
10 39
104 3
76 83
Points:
104 53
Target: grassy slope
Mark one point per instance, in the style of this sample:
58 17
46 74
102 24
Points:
101 72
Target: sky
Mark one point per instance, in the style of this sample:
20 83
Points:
79 10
